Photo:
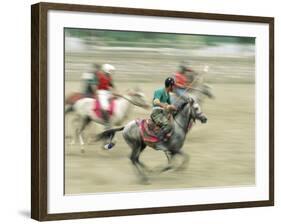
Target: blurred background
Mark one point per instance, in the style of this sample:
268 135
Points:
222 151
230 59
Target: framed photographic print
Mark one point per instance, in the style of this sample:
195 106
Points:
139 111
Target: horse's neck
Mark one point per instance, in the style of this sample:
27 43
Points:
182 121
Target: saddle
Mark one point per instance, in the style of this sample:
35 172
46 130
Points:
149 130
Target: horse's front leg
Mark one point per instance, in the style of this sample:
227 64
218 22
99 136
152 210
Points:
77 124
74 126
85 122
168 156
170 165
81 140
144 167
171 161
185 161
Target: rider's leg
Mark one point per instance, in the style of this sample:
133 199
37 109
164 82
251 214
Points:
104 96
165 129
156 116
106 119
160 118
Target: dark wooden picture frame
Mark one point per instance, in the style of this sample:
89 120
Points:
39 108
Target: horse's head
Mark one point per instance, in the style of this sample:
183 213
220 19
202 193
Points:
138 98
189 106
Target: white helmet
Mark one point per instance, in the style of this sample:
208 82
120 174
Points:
107 68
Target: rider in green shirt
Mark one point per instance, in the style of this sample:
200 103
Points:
162 107
90 81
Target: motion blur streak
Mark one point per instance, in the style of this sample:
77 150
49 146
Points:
222 151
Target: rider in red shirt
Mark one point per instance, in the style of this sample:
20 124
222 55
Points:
184 78
103 86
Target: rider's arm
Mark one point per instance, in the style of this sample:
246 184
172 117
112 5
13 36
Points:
113 90
111 84
165 106
157 102
170 106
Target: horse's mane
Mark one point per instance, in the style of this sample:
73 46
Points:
182 103
180 106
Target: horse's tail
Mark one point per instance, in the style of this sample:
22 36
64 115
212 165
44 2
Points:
108 134
73 98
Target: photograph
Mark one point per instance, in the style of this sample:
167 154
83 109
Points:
152 111
141 111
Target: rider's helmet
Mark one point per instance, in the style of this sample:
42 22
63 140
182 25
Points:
108 69
169 82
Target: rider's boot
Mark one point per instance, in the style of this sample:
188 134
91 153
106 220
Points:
109 144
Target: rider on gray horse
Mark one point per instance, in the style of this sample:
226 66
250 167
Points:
162 108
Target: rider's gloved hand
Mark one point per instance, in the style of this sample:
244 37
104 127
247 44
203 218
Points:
171 107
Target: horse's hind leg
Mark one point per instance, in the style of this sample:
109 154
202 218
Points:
147 169
133 138
138 165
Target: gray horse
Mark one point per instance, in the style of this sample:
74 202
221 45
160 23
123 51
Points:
187 112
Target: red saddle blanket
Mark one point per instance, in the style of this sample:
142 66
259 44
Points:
148 130
97 108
